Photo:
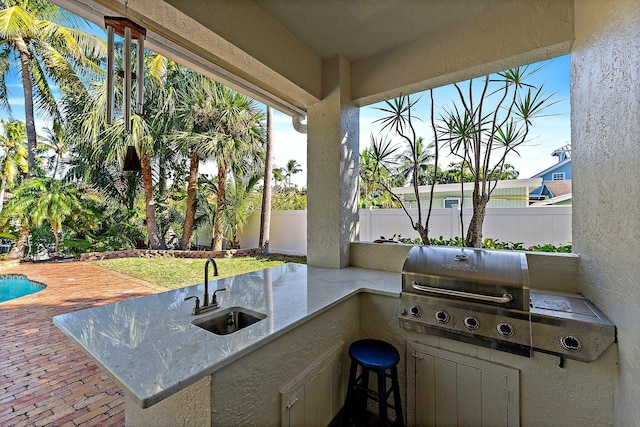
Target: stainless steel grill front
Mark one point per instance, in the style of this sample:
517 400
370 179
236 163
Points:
483 297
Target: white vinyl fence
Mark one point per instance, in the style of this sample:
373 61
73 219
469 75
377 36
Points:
530 226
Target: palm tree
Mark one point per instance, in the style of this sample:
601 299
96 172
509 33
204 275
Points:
378 174
199 88
206 194
423 159
265 209
292 168
241 202
46 199
105 145
46 53
14 152
227 127
55 141
278 176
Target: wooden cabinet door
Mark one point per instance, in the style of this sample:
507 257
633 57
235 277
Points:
450 389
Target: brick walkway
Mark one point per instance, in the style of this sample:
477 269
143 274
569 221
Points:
46 380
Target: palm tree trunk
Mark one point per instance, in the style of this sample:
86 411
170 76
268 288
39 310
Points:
265 213
2 187
190 214
223 170
56 237
150 205
55 167
17 251
25 59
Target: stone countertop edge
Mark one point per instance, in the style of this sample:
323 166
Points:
151 349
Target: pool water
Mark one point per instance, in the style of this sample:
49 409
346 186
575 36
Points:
16 286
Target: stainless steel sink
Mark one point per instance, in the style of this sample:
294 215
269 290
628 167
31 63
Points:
229 320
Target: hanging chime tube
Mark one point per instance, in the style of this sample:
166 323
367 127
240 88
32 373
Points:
127 79
110 75
140 75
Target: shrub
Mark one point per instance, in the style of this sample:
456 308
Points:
487 243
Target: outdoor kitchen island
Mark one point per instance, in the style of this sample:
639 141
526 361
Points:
292 365
150 347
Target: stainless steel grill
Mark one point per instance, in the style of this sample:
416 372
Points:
483 297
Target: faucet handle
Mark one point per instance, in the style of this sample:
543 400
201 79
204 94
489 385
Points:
196 308
214 297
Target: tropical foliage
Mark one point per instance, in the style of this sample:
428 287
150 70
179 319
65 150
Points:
35 42
13 149
70 179
490 119
488 243
482 127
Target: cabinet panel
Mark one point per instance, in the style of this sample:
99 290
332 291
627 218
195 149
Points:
314 397
469 380
449 389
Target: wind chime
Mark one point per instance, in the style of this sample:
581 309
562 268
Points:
128 29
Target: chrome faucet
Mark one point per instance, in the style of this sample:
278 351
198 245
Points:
205 303
197 309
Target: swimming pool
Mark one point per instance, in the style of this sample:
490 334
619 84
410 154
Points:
14 286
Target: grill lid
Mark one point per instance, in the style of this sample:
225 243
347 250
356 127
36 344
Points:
492 277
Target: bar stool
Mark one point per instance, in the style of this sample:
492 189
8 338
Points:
379 357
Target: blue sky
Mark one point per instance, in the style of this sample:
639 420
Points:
548 133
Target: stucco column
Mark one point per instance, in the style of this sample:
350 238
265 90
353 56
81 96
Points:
332 175
605 135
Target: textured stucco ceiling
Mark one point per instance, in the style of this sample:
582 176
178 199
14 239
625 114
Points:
361 28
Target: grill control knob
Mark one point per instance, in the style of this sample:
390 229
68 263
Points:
471 323
570 343
441 316
505 329
415 311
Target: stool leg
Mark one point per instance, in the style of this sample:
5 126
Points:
350 400
363 395
382 399
396 397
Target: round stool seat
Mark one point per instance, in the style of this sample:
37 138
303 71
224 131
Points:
374 354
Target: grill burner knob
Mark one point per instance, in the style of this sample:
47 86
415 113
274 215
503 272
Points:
415 311
505 329
571 343
442 316
471 323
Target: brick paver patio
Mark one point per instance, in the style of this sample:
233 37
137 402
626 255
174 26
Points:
45 379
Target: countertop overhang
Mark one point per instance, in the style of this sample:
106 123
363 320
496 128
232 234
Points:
150 347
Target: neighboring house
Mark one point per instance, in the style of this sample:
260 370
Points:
555 193
512 193
556 181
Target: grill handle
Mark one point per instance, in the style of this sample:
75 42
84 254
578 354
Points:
448 292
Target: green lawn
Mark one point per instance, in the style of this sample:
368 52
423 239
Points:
179 272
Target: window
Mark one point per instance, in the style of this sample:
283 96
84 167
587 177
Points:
449 203
558 176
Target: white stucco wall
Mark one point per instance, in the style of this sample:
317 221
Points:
332 176
605 115
247 392
188 407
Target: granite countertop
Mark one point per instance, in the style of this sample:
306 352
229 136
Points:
152 350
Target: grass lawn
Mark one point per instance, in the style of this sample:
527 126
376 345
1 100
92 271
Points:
179 272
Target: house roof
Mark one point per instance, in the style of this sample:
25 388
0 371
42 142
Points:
558 188
552 168
553 200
